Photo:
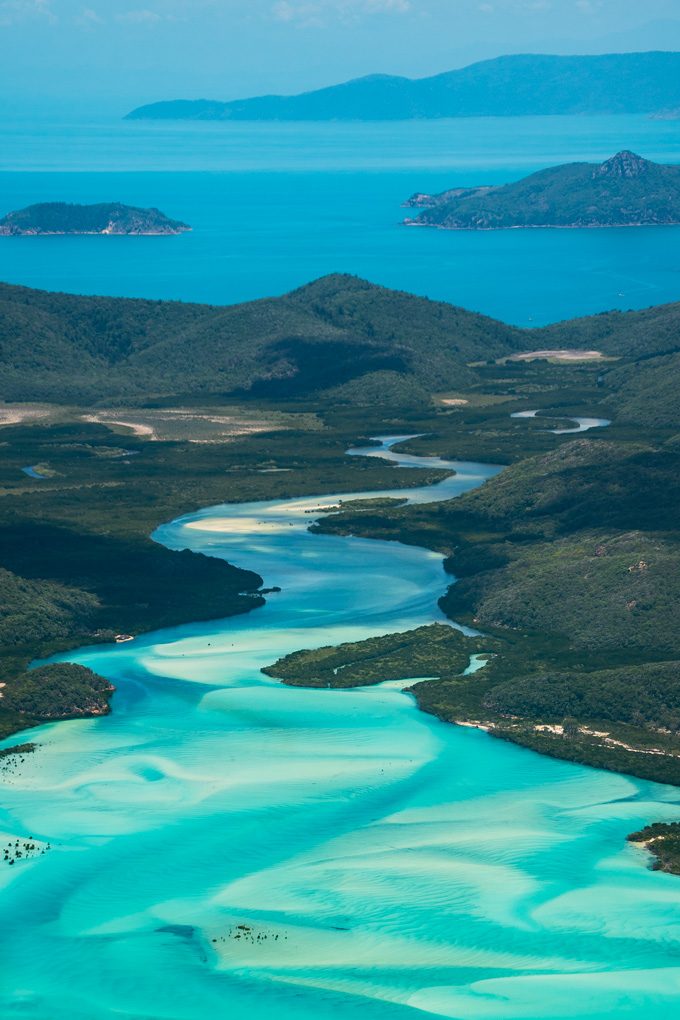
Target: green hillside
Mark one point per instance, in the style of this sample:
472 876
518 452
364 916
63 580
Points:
339 339
626 190
336 331
634 334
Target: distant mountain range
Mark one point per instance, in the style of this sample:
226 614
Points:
645 83
625 190
103 218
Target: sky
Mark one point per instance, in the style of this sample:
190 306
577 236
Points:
116 54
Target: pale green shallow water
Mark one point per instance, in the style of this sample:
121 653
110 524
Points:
390 864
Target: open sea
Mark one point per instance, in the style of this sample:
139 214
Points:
275 206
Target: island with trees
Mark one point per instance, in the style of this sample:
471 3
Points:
624 191
101 218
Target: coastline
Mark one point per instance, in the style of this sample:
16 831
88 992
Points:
359 796
218 588
662 842
542 742
93 233
114 640
539 226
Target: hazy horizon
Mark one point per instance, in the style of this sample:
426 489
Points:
68 55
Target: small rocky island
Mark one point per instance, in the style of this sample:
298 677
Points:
624 191
104 218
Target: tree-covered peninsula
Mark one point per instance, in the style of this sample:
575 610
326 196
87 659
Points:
663 842
624 191
434 650
102 218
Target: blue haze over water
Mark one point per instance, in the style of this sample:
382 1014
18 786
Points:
224 846
274 206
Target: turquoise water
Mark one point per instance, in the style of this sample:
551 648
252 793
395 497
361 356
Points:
380 862
274 206
372 861
580 424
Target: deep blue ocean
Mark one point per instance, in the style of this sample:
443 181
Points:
275 206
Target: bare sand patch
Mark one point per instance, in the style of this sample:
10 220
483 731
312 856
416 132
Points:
137 427
448 399
239 525
558 355
199 424
15 414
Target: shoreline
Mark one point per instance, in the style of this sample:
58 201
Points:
258 600
93 233
661 841
489 727
539 226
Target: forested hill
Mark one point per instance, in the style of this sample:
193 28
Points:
101 218
625 190
339 331
518 85
339 338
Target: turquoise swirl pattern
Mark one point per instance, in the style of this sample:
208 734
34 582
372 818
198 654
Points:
224 846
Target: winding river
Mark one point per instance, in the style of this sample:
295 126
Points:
580 424
225 846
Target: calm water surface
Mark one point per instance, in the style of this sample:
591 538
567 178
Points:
224 846
274 206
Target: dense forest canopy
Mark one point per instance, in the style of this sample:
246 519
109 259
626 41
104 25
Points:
339 338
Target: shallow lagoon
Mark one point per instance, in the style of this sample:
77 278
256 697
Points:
377 860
